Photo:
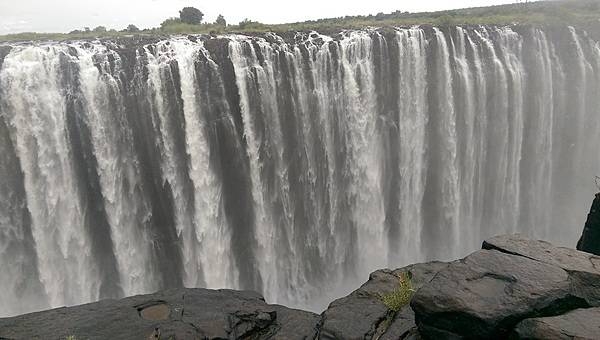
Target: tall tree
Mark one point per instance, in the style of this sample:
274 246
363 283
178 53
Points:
191 15
221 21
132 28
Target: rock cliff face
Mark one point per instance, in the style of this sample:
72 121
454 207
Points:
512 288
590 240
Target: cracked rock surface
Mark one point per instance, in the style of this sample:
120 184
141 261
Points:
174 314
362 315
581 324
486 294
583 268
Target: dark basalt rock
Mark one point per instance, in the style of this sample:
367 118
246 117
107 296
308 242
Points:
486 294
583 268
362 315
175 314
581 324
590 239
4 51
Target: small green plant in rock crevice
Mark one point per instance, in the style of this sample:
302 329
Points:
400 296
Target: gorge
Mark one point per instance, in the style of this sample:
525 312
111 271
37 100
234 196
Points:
292 165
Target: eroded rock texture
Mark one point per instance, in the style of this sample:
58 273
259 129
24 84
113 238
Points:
581 324
485 295
174 314
362 314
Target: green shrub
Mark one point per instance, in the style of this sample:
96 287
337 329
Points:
401 296
249 24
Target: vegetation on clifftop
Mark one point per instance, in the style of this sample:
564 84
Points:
560 12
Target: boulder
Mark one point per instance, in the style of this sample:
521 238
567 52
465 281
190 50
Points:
590 239
486 294
362 315
583 268
175 314
581 324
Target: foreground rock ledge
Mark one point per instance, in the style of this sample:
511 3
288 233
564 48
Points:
486 295
581 324
174 314
514 288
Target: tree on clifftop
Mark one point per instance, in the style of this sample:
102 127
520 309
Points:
191 15
221 21
132 28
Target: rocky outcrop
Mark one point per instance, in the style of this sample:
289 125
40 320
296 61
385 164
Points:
512 288
581 324
486 295
175 314
583 268
4 50
590 239
363 315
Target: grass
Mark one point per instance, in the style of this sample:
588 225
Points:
561 12
400 296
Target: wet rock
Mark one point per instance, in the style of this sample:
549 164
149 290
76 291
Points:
362 315
175 314
581 324
295 324
154 311
486 294
4 51
590 239
402 326
583 268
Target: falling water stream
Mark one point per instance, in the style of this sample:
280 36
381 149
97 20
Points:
292 166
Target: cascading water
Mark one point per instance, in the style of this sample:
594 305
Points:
35 112
291 166
116 167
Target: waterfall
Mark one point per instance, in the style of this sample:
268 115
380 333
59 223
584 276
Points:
206 238
117 169
411 124
292 165
35 112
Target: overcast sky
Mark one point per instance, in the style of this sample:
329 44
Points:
67 15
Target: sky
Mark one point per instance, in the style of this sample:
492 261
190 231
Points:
66 15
